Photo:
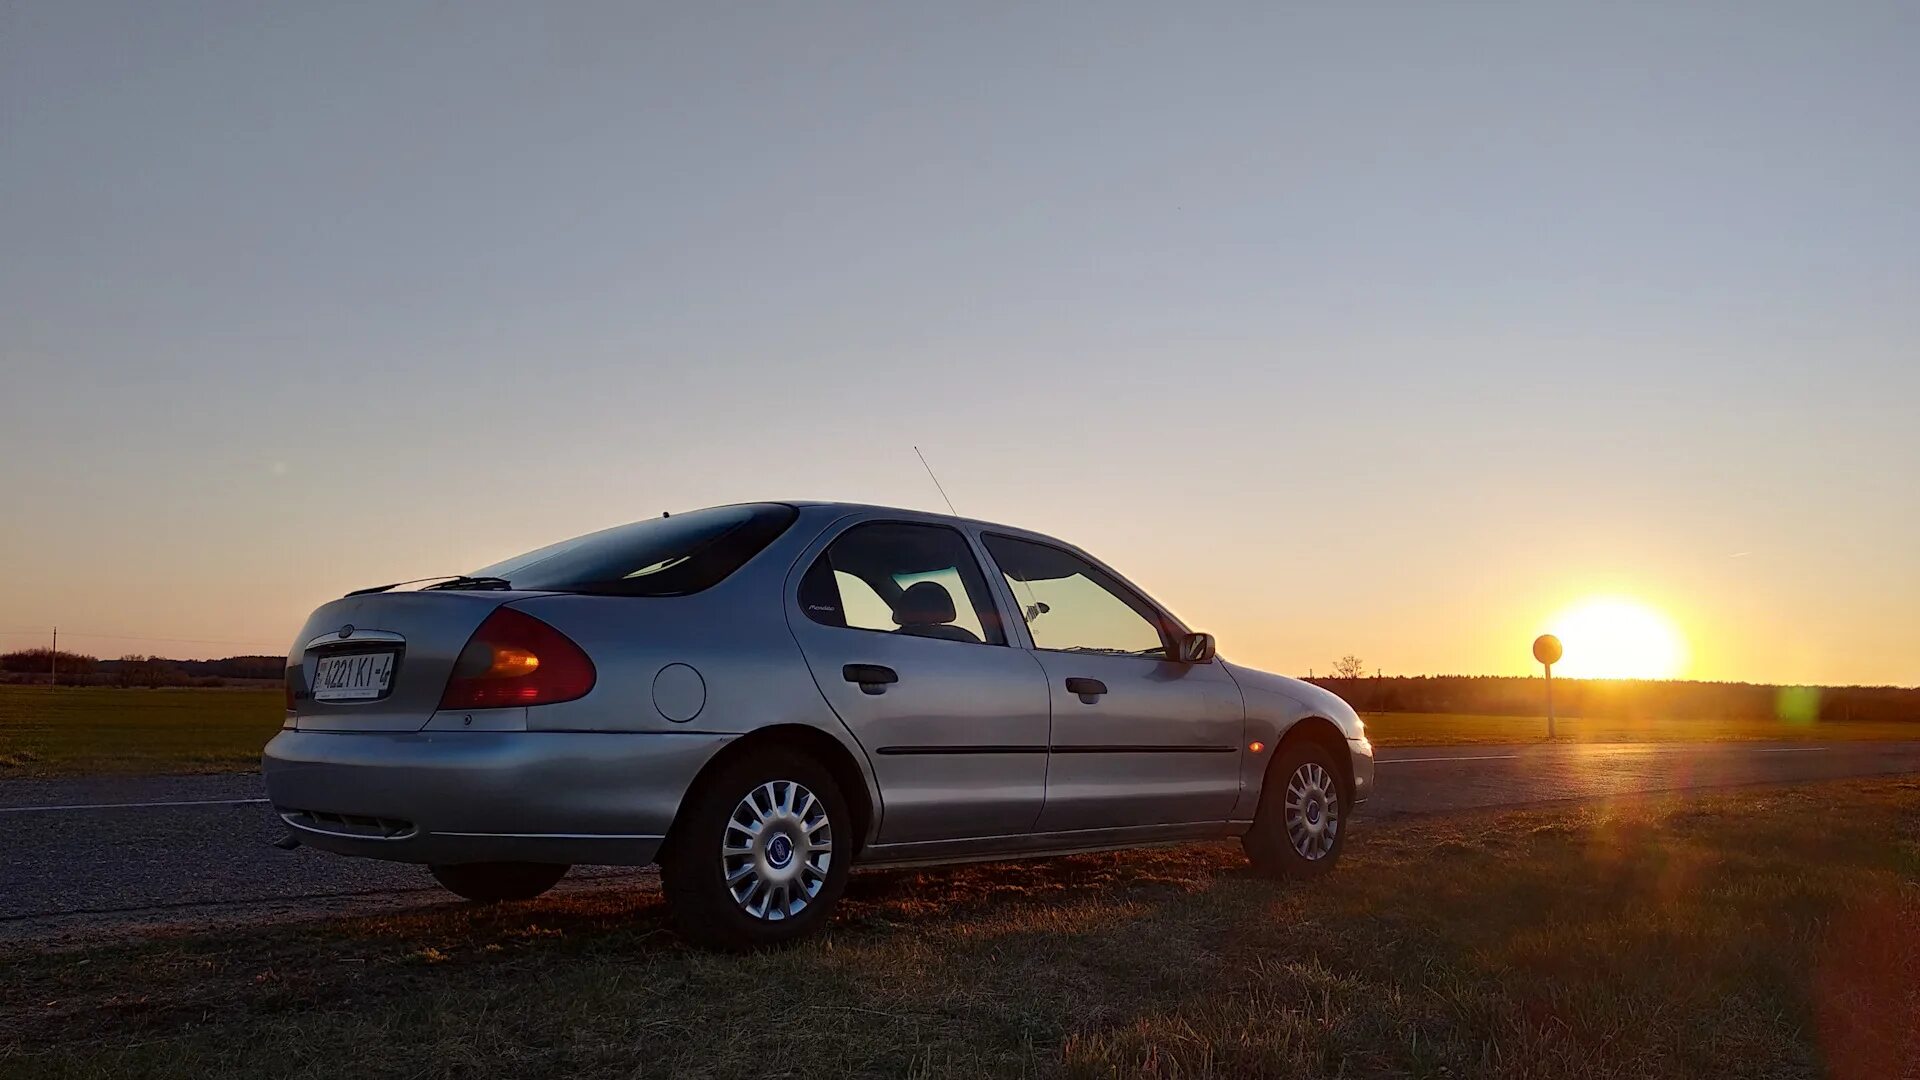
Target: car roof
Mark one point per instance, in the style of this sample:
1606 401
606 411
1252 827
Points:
928 515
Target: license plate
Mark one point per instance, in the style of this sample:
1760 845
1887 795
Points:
354 677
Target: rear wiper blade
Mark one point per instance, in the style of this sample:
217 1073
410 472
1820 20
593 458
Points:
447 581
478 583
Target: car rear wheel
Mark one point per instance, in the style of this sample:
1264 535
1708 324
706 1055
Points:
494 881
760 853
1300 826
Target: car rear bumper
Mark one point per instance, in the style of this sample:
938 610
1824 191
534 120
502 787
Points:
484 796
1361 752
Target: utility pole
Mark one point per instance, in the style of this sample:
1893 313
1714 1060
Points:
53 660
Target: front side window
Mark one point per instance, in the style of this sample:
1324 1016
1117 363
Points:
896 578
1071 605
665 556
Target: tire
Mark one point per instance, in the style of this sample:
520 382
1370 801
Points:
729 888
1299 848
490 882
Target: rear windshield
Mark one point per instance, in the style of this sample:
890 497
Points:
664 556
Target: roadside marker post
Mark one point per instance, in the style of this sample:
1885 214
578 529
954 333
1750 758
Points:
1547 650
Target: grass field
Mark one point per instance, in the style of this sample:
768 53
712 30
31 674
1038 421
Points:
1440 729
68 731
1752 934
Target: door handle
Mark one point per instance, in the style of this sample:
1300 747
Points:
873 678
1088 689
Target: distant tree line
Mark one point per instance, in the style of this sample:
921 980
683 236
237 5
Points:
1499 695
230 667
40 661
33 665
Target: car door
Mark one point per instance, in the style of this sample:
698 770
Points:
906 642
1137 738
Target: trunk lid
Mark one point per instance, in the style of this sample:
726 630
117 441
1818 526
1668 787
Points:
410 638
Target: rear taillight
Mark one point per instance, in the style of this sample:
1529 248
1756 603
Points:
293 685
515 659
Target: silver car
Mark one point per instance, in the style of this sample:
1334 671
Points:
760 697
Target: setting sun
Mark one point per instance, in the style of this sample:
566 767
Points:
1610 637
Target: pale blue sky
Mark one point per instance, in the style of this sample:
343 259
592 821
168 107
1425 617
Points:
1385 329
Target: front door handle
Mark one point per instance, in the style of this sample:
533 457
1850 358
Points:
1088 689
873 678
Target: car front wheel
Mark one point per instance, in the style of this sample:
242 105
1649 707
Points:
760 854
1301 823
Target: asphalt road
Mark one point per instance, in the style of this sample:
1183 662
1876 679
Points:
1414 780
79 858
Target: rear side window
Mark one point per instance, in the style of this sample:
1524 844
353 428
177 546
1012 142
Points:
896 578
666 556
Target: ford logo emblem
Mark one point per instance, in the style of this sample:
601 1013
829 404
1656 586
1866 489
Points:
346 631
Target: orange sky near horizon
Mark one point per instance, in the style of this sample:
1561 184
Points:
1291 600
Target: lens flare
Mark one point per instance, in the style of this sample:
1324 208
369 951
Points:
1612 637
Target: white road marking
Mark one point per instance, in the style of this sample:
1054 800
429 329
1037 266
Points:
1611 748
1634 748
126 805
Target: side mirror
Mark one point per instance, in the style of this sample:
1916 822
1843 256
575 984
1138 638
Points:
1196 649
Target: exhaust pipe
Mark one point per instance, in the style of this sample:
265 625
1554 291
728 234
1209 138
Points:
287 842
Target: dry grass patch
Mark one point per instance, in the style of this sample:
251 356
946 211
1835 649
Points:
1762 934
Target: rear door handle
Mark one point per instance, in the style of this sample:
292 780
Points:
873 678
1086 688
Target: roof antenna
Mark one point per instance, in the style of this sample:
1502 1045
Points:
936 481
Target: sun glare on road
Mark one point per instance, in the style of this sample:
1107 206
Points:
1611 637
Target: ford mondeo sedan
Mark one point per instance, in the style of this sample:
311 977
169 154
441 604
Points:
760 697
